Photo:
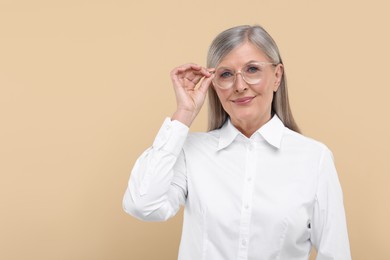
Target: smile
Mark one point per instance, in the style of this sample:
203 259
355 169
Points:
243 101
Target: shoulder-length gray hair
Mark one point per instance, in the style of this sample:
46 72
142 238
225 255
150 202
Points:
225 42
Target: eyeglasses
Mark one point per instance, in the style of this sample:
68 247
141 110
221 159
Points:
251 73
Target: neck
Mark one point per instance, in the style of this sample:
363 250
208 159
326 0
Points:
248 128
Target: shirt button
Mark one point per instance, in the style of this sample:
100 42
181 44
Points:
246 206
249 179
243 242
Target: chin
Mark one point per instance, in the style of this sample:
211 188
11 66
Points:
249 117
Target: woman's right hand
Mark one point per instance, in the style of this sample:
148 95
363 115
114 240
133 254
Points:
189 97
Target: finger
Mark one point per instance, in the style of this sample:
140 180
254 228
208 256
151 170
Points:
204 72
195 76
174 78
194 68
211 70
188 71
183 68
188 75
187 67
206 82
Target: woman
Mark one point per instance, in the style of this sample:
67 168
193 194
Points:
252 187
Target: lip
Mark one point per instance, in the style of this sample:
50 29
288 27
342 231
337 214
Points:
243 100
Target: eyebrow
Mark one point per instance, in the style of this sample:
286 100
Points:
249 62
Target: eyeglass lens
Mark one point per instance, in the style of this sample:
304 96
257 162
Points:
251 73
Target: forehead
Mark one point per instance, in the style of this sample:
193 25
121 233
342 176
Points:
243 54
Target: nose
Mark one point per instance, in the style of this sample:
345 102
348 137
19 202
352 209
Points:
240 84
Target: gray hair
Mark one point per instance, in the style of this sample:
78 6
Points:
224 43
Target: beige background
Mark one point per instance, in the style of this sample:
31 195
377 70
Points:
84 86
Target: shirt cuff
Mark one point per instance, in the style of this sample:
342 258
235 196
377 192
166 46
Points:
171 136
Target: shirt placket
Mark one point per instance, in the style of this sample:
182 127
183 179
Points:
246 208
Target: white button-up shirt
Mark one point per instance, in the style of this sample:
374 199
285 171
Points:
271 196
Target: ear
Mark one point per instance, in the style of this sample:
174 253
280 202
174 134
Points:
279 69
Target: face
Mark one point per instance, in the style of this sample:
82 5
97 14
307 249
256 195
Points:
249 105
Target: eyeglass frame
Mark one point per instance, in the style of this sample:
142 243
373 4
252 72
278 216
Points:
263 63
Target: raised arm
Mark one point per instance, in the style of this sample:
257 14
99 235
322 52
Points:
158 183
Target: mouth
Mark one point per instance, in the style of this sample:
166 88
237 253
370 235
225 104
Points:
243 100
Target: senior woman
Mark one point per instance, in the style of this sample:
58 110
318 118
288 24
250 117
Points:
253 187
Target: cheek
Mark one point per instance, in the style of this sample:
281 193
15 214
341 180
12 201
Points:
264 87
223 95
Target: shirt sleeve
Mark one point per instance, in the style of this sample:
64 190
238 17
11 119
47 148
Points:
329 228
158 184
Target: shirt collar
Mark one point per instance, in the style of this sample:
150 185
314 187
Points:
272 132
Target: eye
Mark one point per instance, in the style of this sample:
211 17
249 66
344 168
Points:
225 74
253 69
